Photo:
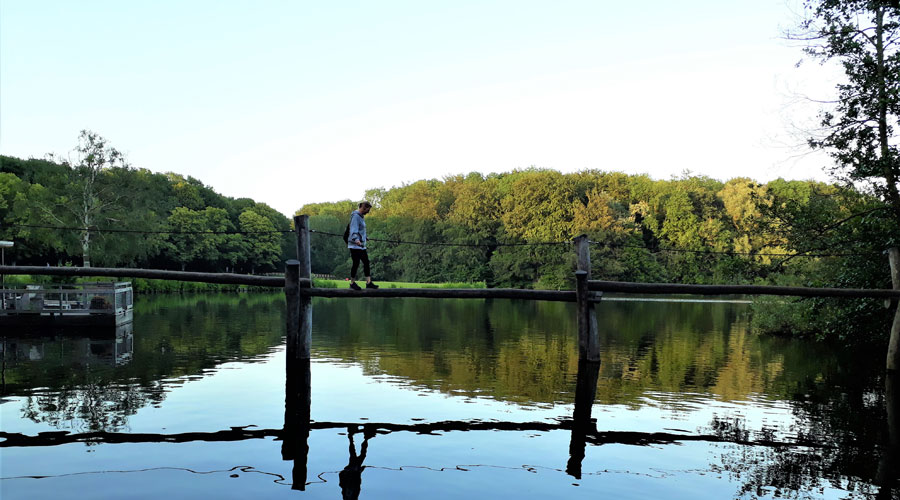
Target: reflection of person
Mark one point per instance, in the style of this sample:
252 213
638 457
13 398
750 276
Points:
356 242
351 477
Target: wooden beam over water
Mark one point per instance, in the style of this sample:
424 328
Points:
443 293
156 274
453 293
796 291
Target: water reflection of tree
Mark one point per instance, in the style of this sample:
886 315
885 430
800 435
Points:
174 338
848 434
92 406
527 352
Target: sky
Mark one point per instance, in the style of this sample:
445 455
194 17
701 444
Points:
295 102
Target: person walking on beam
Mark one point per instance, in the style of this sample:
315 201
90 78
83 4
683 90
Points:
356 242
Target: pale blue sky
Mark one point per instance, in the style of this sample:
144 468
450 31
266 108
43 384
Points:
297 102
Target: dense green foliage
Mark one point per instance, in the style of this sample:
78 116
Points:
690 229
46 193
504 230
685 230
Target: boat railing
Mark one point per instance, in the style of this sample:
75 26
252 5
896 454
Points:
82 298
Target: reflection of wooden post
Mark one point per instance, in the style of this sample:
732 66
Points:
295 436
588 338
893 355
301 225
585 391
887 474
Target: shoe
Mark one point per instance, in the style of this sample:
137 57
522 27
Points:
371 285
354 286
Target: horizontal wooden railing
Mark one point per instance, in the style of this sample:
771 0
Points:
297 284
156 274
445 293
796 291
453 293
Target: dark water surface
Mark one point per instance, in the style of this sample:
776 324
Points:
418 398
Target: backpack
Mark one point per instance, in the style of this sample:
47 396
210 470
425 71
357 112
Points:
347 234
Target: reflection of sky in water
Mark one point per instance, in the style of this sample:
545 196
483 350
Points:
240 393
448 464
479 464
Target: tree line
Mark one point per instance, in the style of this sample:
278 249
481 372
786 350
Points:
690 229
177 222
513 230
507 229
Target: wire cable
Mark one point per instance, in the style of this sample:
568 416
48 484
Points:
439 243
727 252
471 245
145 231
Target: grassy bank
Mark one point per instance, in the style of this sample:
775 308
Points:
397 284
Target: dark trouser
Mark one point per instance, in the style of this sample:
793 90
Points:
359 255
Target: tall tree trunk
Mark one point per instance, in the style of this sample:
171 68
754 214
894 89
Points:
87 215
86 248
86 240
887 163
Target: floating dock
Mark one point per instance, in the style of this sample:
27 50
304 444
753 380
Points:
105 304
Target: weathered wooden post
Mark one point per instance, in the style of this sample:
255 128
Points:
893 355
588 338
304 339
295 445
301 227
292 312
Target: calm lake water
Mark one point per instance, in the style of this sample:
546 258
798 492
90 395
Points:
418 398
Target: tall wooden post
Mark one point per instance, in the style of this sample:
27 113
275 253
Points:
893 355
295 445
588 338
292 311
301 226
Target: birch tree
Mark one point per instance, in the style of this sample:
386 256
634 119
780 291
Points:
89 202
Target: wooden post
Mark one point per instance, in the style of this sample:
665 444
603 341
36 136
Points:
301 227
292 311
588 338
583 254
893 355
305 333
